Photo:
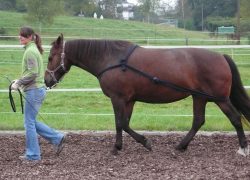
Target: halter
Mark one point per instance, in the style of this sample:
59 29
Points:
61 66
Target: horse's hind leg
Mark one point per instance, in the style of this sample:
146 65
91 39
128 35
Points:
123 111
199 106
235 118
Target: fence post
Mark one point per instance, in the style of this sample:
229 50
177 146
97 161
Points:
186 41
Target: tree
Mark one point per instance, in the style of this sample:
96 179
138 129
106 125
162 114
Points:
242 12
109 8
165 8
148 7
43 11
7 4
200 10
21 5
86 7
244 9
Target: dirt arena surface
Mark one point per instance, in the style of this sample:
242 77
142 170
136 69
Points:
87 156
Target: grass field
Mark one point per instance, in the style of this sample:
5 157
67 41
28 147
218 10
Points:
92 110
137 32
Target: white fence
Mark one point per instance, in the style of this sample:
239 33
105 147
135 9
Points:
246 48
11 47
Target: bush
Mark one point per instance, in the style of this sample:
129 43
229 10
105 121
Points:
3 32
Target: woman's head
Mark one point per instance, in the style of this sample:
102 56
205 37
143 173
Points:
27 34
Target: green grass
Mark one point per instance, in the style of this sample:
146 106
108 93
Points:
93 111
137 32
85 111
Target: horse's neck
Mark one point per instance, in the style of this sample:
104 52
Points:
85 56
94 56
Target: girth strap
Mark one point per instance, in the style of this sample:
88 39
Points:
123 61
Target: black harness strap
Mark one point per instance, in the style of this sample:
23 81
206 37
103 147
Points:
123 61
123 65
156 80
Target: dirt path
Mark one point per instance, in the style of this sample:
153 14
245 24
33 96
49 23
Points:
87 156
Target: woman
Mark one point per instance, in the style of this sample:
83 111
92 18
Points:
32 83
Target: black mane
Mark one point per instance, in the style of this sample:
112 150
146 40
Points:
95 49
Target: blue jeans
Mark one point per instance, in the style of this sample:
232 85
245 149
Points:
34 99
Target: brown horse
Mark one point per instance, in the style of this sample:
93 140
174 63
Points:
129 73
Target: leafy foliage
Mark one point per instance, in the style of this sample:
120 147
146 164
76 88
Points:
43 11
203 10
85 7
244 9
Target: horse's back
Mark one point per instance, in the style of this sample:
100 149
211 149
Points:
191 66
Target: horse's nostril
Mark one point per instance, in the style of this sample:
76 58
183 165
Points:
47 82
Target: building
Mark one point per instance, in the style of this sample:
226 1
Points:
125 10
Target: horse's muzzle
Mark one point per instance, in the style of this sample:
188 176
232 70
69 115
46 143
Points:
49 80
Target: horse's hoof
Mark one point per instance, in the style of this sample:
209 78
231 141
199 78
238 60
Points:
114 151
148 145
243 151
180 148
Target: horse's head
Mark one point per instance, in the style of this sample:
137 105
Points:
57 63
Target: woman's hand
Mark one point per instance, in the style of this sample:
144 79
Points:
14 85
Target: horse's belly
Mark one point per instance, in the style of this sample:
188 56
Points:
166 96
159 101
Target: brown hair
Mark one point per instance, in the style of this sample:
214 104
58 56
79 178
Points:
27 32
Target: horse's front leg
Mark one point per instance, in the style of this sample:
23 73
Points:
118 107
118 141
199 106
123 111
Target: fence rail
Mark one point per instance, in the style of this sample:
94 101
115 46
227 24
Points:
11 48
162 47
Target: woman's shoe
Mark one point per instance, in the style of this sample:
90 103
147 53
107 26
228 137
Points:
60 146
25 160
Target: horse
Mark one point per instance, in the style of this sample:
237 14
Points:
128 73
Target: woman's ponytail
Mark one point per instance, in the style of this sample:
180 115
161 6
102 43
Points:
38 41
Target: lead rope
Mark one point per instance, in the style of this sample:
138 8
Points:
12 103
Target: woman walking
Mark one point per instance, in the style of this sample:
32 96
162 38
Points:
32 83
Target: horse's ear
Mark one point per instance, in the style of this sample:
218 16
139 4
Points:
59 39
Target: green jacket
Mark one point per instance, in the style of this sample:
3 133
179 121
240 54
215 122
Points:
32 68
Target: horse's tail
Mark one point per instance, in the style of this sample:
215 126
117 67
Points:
238 96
